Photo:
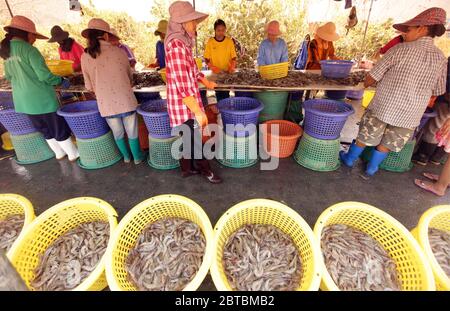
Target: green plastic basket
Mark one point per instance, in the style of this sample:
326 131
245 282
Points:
398 162
31 148
239 152
160 153
274 105
96 153
318 155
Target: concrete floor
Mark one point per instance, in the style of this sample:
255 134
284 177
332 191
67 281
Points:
307 192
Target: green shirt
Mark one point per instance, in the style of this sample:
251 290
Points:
31 80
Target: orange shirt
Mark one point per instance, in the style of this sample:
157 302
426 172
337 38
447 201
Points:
316 54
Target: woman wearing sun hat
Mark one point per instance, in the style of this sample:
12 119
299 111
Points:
184 103
108 74
33 85
68 49
160 53
321 47
272 50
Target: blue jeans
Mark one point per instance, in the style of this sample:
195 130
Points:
120 125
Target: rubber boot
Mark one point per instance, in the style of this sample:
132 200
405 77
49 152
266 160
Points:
349 158
135 147
424 153
438 155
375 161
70 149
56 148
121 144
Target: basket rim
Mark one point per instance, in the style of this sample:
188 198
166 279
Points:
308 103
422 237
56 62
353 205
274 65
237 208
299 129
63 113
220 104
142 112
25 203
132 213
337 62
112 220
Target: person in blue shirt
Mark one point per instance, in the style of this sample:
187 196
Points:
160 53
272 50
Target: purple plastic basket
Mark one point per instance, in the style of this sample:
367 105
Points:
84 119
325 118
240 110
356 95
14 122
156 118
336 68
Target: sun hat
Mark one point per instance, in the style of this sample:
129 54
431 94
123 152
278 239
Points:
96 24
58 34
429 17
162 27
183 11
327 32
273 28
25 24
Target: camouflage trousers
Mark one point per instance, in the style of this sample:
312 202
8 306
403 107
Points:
374 132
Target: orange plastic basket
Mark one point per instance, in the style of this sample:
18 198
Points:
287 137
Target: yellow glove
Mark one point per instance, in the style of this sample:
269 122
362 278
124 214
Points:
209 84
194 106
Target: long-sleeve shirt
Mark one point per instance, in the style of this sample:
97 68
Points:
31 80
272 53
109 76
408 75
129 53
182 81
160 54
316 54
74 54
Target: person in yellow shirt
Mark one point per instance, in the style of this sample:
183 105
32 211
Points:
220 54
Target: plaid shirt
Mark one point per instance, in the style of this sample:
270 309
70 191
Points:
182 75
408 75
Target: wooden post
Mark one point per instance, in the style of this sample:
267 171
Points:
10 280
9 8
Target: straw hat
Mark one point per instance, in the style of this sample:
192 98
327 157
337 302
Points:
162 27
113 32
429 17
96 24
273 28
58 34
25 24
327 32
183 11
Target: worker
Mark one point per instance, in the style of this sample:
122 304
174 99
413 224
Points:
272 50
68 49
321 47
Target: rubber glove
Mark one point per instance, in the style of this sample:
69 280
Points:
209 84
232 66
214 68
65 83
194 106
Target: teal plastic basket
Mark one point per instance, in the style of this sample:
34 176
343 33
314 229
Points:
398 162
31 148
96 153
238 152
274 105
318 155
160 153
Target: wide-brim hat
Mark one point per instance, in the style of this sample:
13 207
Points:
328 32
273 28
96 24
58 34
25 24
429 17
114 33
162 27
183 11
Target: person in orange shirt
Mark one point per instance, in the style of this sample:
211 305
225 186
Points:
68 49
321 47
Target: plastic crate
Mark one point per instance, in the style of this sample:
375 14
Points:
156 118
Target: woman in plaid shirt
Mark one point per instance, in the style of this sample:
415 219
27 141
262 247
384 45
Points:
406 77
184 103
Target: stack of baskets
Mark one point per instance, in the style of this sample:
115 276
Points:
95 141
240 120
156 118
319 147
29 144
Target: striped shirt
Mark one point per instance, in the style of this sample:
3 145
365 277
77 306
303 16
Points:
408 75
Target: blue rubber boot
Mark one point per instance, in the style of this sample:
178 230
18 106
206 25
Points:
121 144
350 157
375 161
138 156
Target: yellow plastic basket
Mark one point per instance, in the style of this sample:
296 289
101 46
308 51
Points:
437 217
14 204
275 71
7 144
52 224
60 67
262 211
367 98
199 63
162 72
137 219
412 266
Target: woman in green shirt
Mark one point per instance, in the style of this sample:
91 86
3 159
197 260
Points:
33 85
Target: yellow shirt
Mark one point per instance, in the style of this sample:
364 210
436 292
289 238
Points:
220 53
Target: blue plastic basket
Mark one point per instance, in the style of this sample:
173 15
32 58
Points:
336 95
143 97
325 118
237 111
156 118
336 68
14 122
84 119
356 95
